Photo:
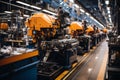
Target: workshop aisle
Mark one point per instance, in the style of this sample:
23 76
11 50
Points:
94 67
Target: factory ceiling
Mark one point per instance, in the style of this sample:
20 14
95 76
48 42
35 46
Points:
97 8
105 11
93 7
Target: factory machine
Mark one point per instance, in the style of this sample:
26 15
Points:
113 68
17 61
77 31
95 34
90 32
57 51
99 35
87 38
105 31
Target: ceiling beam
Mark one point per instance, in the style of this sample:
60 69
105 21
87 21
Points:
79 3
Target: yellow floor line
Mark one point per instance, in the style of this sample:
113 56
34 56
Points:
67 71
103 67
62 75
74 68
74 65
94 47
85 54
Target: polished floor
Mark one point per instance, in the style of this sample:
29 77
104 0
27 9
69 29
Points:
93 68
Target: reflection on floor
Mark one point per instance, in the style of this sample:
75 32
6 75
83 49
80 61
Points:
94 67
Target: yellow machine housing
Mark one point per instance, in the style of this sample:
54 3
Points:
75 26
3 26
105 30
98 31
89 30
41 21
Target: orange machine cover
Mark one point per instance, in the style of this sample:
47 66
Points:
98 31
105 30
3 26
40 20
89 29
75 26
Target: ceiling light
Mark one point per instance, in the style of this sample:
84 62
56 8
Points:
72 1
87 14
110 20
26 15
76 6
49 12
35 7
108 12
91 17
107 2
82 10
22 3
96 21
108 8
109 15
8 12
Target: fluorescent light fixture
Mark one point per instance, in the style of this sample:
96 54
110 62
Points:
49 12
82 10
76 6
96 21
110 20
91 17
107 2
108 12
108 8
23 3
87 14
35 7
8 12
72 1
26 15
109 15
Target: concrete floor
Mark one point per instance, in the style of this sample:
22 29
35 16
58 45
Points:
94 67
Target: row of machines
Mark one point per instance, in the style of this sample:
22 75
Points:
51 46
87 38
59 44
